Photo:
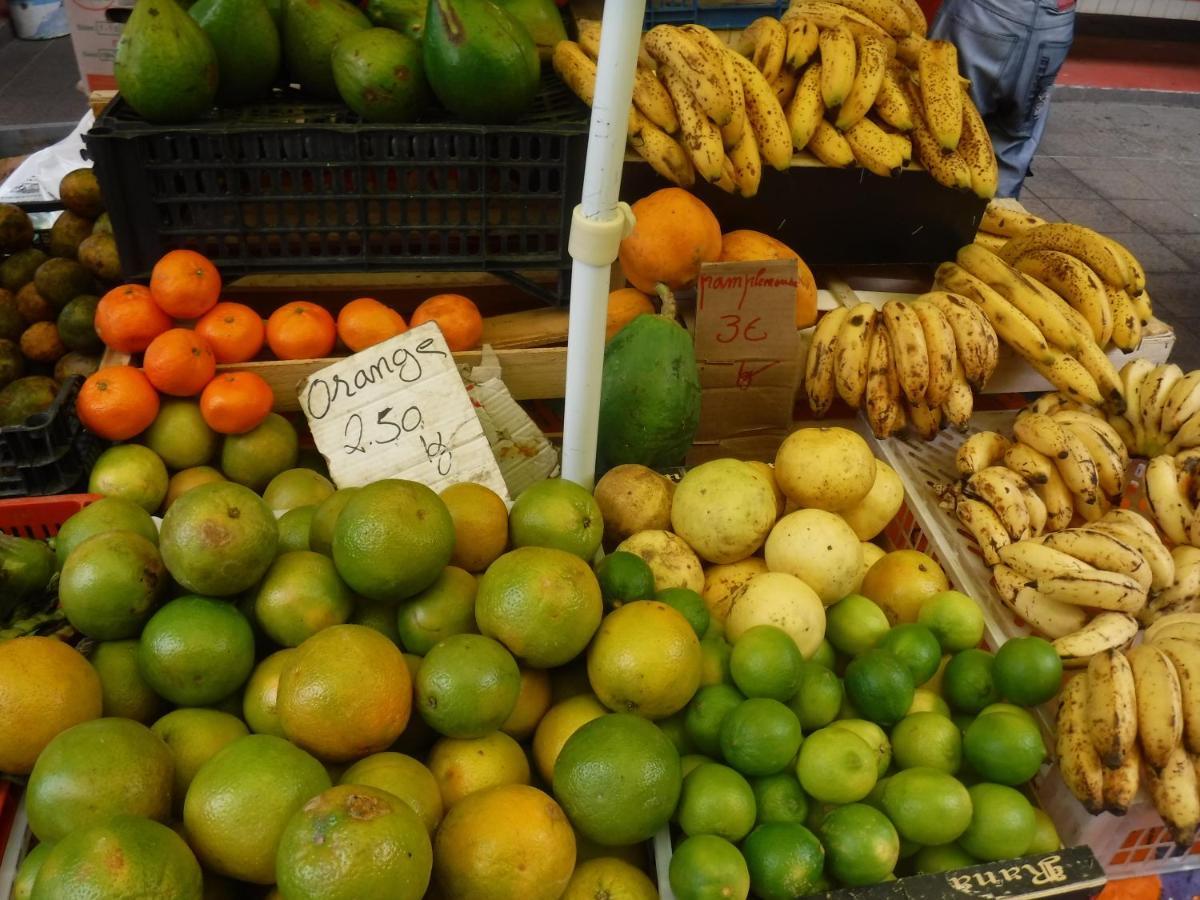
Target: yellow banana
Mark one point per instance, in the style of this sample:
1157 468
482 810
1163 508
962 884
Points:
1032 465
916 17
853 346
974 339
903 145
1079 241
1102 632
826 14
1183 401
819 365
871 64
991 242
699 135
1007 222
829 146
1127 325
764 42
911 356
1185 657
784 87
1011 325
764 115
702 72
986 527
1137 274
1175 625
1037 559
1000 488
908 49
1110 591
838 63
1159 703
1070 457
806 110
883 389
1077 758
732 131
940 346
941 94
960 402
653 101
1111 707
1168 505
873 148
1105 448
887 15
1176 796
975 147
1152 397
747 165
891 103
1121 784
946 167
925 420
1162 565
1071 279
1102 551
802 42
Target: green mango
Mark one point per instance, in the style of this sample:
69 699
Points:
311 28
405 16
541 19
165 66
380 75
481 62
247 45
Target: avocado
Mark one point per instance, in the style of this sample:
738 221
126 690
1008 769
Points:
246 42
66 234
80 193
165 66
405 16
480 61
380 75
17 271
311 29
541 19
16 228
61 280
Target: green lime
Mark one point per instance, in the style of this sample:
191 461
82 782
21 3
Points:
916 647
955 620
785 860
706 711
968 686
1004 748
817 812
624 577
779 798
847 710
824 655
942 858
880 686
673 727
715 653
1027 671
1002 823
836 766
707 867
855 624
196 651
927 739
766 663
1009 708
861 845
688 764
875 737
1045 835
819 697
760 737
927 806
716 800
925 700
690 604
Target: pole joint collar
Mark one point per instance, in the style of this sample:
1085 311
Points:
597 241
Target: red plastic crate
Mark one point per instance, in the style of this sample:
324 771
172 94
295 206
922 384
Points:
40 517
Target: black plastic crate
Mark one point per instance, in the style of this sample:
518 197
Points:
709 14
291 184
51 453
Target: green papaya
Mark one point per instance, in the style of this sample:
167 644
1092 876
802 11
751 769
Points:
275 8
405 16
541 19
246 42
480 61
26 567
311 29
380 75
649 393
165 65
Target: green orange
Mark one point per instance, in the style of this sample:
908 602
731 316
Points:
196 651
194 736
111 584
468 686
445 608
126 693
299 595
106 514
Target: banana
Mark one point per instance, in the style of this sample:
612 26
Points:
1176 796
1169 507
764 115
1152 396
939 342
732 131
910 355
1121 426
1097 365
908 49
903 144
1121 784
925 420
1074 464
829 146
871 64
576 69
1078 761
1112 713
838 63
941 95
1187 437
802 41
702 72
891 103
1102 551
1104 447
1087 245
1097 590
946 167
1054 620
1008 581
1007 222
1137 284
1183 401
1037 559
883 389
1133 374
983 523
726 182
806 110
1069 375
1143 307
1184 590
698 134
853 344
1159 703
975 147
784 87
1127 325
1071 279
764 41
1162 566
653 101
960 402
886 14
1105 631
1035 467
1000 488
1178 625
991 242
916 16
1036 507
827 14
819 364
873 149
1010 324
1059 502
1185 657
747 164
975 341
980 450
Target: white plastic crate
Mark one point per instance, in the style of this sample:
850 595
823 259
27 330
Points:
14 850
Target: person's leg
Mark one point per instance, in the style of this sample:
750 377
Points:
990 36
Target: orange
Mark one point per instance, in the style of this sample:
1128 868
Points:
456 315
301 330
464 766
46 687
403 777
127 318
179 362
737 246
624 306
480 525
117 403
236 402
185 284
364 322
674 234
234 331
532 703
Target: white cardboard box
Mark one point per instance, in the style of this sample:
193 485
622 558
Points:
95 29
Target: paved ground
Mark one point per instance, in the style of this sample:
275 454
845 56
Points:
39 98
1131 170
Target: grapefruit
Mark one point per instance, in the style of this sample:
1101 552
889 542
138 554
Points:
378 616
722 583
27 872
106 514
258 455
403 777
325 516
196 651
111 585
260 699
130 471
467 686
633 498
180 436
465 766
820 549
444 608
557 513
125 691
297 487
480 525
300 595
825 468
194 736
724 509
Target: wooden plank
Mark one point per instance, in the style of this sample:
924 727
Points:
97 100
533 328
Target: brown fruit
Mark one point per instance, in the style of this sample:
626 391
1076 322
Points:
80 193
16 230
62 280
66 234
41 343
11 324
98 254
32 306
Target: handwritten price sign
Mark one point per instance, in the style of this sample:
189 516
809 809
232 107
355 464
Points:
747 310
399 410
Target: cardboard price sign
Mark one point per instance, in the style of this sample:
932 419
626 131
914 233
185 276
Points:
747 310
399 410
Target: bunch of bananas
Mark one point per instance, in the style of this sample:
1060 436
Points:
907 363
1162 409
1134 718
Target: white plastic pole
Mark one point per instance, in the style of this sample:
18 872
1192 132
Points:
620 35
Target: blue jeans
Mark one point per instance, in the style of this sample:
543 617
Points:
1011 50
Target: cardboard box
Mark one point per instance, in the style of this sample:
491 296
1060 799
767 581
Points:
95 29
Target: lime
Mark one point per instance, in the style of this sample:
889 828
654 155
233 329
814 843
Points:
824 655
916 647
1004 748
855 624
123 690
690 604
927 806
861 846
706 712
942 858
196 651
1027 671
624 577
925 700
716 800
766 663
674 728
785 860
968 685
760 737
927 739
714 660
1009 708
1045 835
955 620
836 766
1002 823
707 867
880 686
689 762
467 686
779 798
818 698
875 737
